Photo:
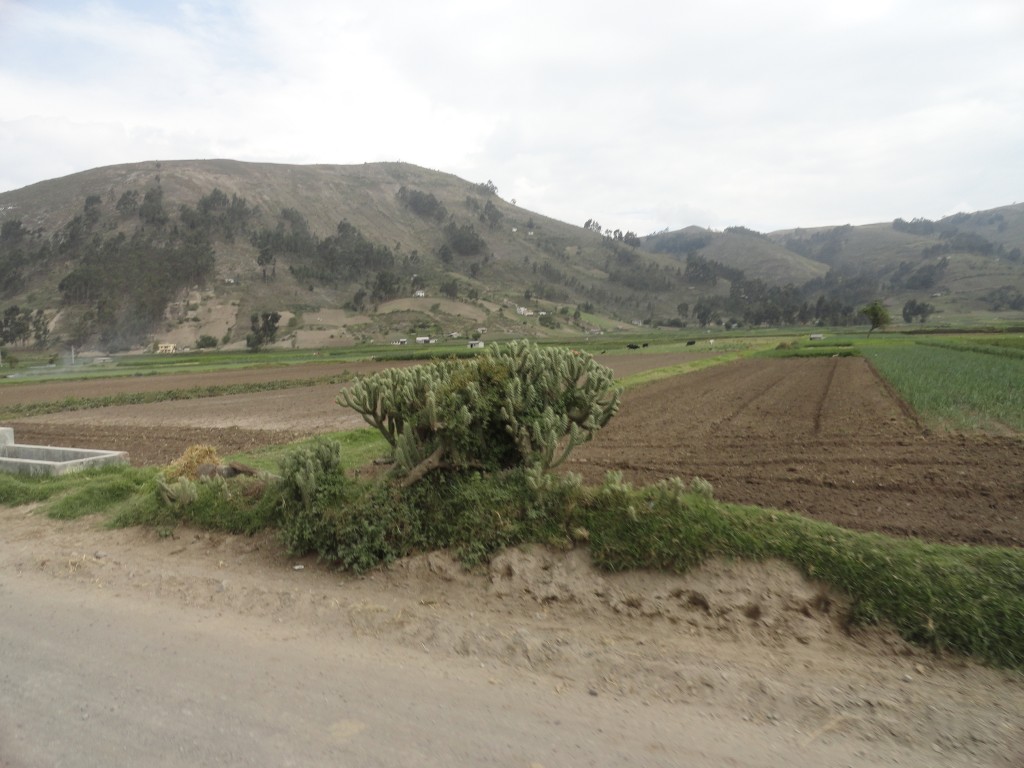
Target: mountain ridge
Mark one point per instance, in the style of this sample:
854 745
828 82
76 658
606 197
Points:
355 238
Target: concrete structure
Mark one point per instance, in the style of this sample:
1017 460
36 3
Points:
47 460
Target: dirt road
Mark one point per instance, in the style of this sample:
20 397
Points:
125 648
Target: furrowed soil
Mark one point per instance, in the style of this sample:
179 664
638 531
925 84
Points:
748 664
825 437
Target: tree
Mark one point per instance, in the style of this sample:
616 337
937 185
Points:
386 286
40 328
705 313
491 215
877 315
128 203
518 405
921 309
450 289
264 330
359 300
151 211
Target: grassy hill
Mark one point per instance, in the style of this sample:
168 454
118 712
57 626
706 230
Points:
520 258
127 255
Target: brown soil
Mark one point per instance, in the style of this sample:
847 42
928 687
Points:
751 650
753 655
824 437
158 433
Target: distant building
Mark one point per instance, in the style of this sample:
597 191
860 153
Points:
420 294
166 349
475 345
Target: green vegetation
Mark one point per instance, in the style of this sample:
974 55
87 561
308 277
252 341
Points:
877 315
491 492
514 405
105 490
264 330
948 598
657 374
968 599
958 387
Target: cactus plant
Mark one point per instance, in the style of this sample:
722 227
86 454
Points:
516 405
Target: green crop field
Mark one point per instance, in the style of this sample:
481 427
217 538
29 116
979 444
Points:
958 385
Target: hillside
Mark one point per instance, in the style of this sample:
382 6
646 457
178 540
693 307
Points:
177 251
239 238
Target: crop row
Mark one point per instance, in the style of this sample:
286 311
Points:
955 387
26 410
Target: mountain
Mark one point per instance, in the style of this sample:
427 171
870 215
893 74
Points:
183 251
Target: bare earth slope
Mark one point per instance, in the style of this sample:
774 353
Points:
124 648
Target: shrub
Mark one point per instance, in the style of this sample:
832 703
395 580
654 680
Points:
518 405
313 485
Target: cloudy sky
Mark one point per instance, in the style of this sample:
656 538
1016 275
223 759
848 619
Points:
643 115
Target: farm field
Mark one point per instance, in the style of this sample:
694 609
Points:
825 437
756 660
157 433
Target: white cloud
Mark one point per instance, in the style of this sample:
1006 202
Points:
643 116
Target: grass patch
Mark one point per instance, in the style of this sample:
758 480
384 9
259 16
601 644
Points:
948 598
105 492
954 387
657 374
963 599
76 494
359 448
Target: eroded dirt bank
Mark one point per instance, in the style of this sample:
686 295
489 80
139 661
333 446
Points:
748 664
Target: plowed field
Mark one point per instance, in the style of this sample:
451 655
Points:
824 437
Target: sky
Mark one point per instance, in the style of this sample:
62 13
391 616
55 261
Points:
645 116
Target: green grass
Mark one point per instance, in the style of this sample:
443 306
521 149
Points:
967 599
657 374
359 447
954 387
95 491
948 598
959 598
963 599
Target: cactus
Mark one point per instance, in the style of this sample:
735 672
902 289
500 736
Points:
515 405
